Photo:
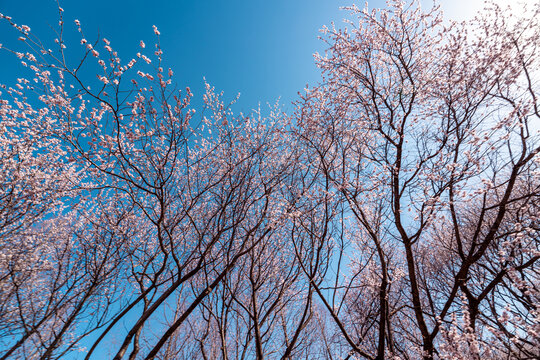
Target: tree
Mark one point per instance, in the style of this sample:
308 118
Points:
426 132
166 205
395 214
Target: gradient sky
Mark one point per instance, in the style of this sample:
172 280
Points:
262 49
259 48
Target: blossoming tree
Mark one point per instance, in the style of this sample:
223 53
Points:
428 132
395 214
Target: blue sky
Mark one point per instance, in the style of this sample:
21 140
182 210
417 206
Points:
259 48
262 49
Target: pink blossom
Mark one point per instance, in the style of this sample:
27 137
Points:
103 79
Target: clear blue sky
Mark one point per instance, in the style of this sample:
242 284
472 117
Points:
260 48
